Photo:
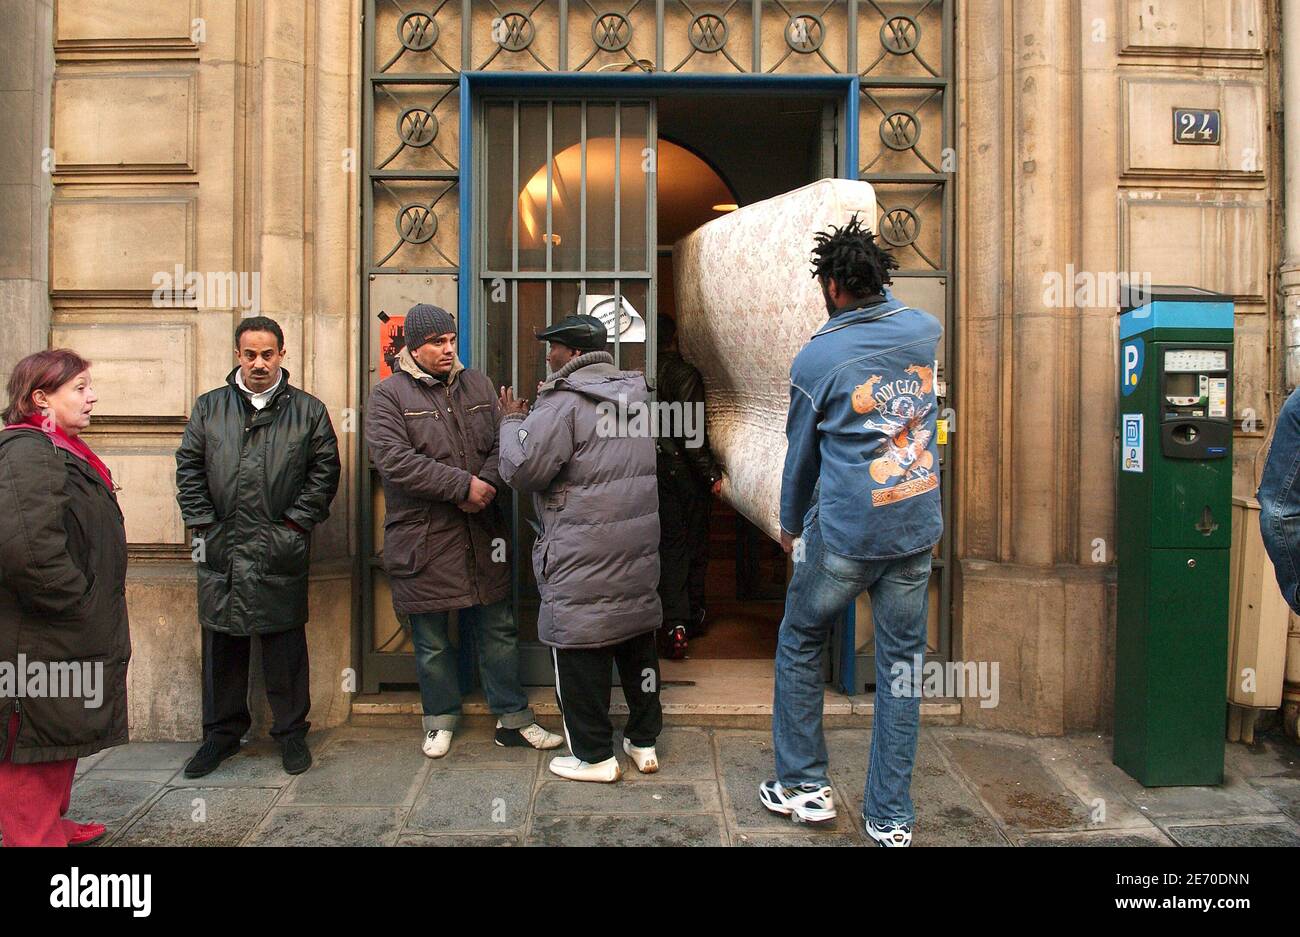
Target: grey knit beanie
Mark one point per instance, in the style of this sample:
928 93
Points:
425 321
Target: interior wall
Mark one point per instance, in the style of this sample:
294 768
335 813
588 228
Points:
787 126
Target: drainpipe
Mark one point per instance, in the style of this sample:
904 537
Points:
1290 269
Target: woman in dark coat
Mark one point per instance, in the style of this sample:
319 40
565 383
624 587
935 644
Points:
64 641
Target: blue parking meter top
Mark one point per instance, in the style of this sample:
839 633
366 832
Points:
1133 296
1173 307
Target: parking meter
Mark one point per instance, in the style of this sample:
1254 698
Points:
1174 531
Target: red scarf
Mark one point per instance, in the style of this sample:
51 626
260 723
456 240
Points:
72 444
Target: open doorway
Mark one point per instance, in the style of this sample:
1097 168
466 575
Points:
708 165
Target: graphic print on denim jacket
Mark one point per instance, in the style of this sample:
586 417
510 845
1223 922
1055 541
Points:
861 446
897 411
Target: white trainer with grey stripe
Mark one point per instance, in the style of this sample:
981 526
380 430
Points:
888 834
532 733
800 804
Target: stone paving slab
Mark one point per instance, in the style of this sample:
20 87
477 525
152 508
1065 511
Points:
1013 784
795 839
1237 834
161 776
1284 791
1234 798
447 840
1268 756
565 797
685 754
199 816
947 812
361 773
1097 838
328 826
745 759
109 801
486 800
697 830
142 755
1082 763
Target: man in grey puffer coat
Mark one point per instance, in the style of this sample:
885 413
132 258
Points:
595 492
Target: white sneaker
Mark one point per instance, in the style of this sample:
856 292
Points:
892 834
647 762
575 769
801 804
532 734
436 742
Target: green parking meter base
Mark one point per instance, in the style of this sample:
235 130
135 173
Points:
1149 775
1171 654
1173 537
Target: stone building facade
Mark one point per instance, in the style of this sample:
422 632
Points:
143 139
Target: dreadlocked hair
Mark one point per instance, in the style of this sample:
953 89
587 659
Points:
851 256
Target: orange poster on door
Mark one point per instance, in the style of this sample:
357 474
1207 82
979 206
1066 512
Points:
391 342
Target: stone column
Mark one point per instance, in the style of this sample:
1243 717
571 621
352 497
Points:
1290 270
304 231
331 328
26 80
1024 601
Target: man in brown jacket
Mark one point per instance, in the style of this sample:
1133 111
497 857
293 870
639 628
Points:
432 432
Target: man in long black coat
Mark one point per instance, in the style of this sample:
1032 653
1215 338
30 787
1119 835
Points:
256 470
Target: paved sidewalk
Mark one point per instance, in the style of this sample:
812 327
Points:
372 786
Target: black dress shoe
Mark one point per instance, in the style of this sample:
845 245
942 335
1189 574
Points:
296 755
211 753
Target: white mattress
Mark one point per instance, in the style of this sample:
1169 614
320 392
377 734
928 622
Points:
746 303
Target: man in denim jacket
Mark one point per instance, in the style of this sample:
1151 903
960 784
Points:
1279 501
861 492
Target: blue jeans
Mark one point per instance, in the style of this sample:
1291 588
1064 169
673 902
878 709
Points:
823 587
498 665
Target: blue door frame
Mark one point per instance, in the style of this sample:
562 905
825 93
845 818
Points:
642 84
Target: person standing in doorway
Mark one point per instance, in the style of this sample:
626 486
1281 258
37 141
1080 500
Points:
688 474
860 491
431 428
597 557
257 469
